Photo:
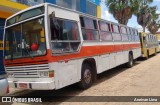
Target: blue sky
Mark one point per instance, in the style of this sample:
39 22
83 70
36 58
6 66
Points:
132 22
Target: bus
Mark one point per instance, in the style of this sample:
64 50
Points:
149 44
49 47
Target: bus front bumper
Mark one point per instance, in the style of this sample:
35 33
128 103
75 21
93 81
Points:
32 85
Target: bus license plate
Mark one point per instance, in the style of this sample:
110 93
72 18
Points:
23 85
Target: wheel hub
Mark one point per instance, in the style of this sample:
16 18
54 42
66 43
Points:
87 76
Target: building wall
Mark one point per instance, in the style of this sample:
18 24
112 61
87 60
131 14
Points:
2 22
30 2
86 6
7 8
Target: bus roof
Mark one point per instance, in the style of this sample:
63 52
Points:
80 13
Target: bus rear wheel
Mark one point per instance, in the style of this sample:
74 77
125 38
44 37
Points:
155 51
130 61
86 76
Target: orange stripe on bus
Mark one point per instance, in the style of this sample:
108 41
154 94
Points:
84 52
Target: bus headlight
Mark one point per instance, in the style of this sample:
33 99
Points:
44 74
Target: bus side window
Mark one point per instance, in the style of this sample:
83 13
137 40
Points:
116 33
137 36
65 37
132 35
105 33
129 34
74 31
124 33
56 29
89 28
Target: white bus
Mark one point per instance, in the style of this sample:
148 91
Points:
49 47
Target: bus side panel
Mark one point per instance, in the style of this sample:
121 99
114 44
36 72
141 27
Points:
152 50
65 73
103 63
119 58
112 60
145 51
136 53
109 61
125 56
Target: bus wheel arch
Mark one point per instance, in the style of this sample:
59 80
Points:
88 67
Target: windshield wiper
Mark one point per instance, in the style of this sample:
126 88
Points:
27 51
25 48
11 55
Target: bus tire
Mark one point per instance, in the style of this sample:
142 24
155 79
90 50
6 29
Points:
155 52
86 76
130 60
147 56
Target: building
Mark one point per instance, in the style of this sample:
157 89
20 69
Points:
91 7
9 7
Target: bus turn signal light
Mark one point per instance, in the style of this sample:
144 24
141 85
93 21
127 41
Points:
51 73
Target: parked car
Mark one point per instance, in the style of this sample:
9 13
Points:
4 86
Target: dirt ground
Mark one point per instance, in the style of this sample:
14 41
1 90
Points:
143 79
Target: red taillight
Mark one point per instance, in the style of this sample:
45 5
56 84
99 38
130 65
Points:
51 73
7 91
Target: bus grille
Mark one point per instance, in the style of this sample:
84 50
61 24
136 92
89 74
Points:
29 71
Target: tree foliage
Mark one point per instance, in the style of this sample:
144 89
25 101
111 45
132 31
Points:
154 24
122 10
144 15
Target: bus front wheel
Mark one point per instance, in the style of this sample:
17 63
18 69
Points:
86 76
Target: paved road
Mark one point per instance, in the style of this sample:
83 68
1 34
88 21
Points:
141 80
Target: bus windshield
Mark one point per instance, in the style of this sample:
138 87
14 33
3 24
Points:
25 40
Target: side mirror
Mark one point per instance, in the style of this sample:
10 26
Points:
52 15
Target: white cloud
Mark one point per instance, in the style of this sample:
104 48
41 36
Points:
139 26
140 29
104 11
158 11
106 15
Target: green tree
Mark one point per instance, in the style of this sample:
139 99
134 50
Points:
123 10
154 25
143 13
